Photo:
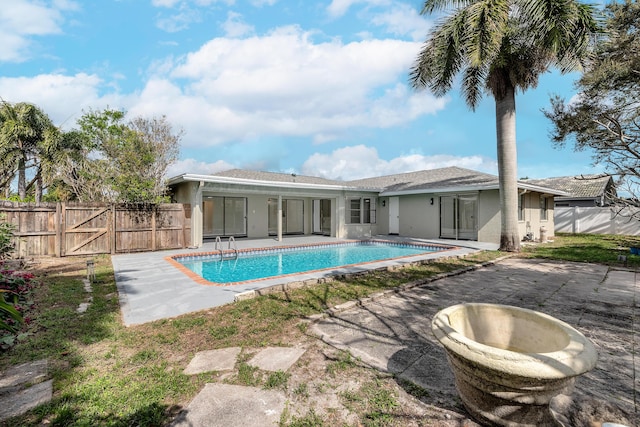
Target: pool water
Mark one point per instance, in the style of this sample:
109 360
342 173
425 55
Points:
255 266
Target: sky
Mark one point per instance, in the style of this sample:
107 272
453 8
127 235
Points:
313 87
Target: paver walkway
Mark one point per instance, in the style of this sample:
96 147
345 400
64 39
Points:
394 334
233 405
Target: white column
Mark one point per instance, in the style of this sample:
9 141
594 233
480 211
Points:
279 218
196 216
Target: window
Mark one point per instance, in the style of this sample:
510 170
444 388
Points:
544 207
521 207
361 211
354 211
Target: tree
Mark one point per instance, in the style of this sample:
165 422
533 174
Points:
117 161
500 47
26 136
605 117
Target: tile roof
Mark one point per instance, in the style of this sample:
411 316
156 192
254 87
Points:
583 186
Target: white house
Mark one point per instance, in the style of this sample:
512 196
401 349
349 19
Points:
446 203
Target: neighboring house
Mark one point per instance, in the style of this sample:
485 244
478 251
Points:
446 203
584 190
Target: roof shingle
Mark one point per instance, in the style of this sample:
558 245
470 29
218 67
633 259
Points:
583 186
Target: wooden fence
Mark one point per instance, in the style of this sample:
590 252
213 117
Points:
67 229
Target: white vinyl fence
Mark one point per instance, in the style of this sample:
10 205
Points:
597 220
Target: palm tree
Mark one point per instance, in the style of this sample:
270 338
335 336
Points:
499 47
26 135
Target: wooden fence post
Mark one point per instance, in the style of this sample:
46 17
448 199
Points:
58 225
113 223
153 227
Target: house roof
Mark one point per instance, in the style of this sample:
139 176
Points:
277 177
583 186
442 179
449 179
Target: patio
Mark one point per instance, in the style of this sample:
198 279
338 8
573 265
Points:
150 288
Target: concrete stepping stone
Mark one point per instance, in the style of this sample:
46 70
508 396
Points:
232 406
23 387
276 358
18 403
223 359
27 373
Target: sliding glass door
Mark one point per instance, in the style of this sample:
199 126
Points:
322 217
224 216
292 216
458 217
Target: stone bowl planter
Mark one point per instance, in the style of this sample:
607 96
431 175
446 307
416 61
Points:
509 362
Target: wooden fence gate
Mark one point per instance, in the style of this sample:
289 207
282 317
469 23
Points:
69 229
84 230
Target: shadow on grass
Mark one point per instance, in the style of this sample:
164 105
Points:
65 412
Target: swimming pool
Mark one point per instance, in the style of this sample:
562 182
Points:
233 267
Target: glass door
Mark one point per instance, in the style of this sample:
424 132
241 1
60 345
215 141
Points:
292 216
448 217
467 223
235 216
224 216
458 217
322 217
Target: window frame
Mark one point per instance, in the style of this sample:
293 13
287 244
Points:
363 211
544 208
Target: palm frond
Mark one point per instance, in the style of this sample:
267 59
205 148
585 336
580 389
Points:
473 84
431 6
441 57
486 25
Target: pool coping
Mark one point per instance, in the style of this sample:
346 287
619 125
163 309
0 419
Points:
280 249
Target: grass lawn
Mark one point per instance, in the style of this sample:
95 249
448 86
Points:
106 374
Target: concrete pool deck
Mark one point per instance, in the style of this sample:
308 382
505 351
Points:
150 288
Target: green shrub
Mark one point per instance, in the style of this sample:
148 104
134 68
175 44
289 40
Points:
15 301
6 237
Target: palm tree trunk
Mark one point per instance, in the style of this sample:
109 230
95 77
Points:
38 189
22 179
508 171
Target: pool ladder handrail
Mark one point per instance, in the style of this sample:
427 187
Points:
235 248
218 240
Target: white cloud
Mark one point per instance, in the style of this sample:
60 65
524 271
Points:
62 97
234 26
187 3
260 3
402 20
179 21
280 85
165 3
338 8
286 84
21 20
197 167
361 161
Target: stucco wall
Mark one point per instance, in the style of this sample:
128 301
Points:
418 217
489 216
532 217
